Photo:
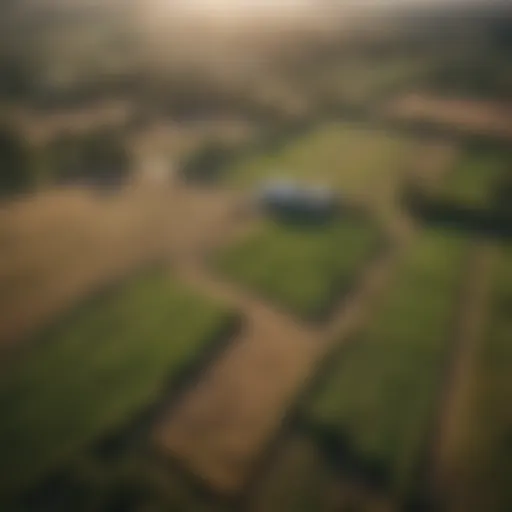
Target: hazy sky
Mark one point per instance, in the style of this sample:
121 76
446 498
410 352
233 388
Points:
252 7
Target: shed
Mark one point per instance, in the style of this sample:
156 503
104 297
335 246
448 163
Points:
287 196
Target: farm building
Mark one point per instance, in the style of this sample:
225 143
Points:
289 197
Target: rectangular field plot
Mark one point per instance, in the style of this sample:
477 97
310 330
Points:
95 370
372 410
483 455
303 268
359 161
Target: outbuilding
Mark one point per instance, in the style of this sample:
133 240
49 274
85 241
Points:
285 196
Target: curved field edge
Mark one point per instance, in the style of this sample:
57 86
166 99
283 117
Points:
93 372
372 411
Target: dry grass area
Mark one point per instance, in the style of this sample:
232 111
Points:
40 127
467 115
60 246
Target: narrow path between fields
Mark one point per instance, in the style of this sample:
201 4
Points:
221 426
470 324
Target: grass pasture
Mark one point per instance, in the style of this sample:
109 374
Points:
95 370
483 457
303 268
359 161
372 410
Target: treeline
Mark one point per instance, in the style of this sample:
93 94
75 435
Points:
17 166
449 205
98 158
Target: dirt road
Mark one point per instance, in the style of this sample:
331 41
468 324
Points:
221 426
441 482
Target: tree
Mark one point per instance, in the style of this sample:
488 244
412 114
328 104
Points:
503 193
206 164
97 158
16 170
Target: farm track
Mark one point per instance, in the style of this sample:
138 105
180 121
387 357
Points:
439 481
223 424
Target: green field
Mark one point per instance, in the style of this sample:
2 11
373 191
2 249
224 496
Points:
95 370
474 181
378 398
303 268
485 453
360 161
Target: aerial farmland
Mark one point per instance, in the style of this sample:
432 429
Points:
261 266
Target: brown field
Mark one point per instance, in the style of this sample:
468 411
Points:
41 127
60 246
466 115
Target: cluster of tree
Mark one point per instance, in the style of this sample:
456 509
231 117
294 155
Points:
96 158
495 217
503 194
17 172
207 163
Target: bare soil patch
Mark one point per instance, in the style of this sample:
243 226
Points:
466 115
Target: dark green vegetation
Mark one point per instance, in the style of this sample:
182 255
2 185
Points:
97 369
207 164
475 195
134 479
299 481
98 157
304 268
372 412
16 174
485 455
